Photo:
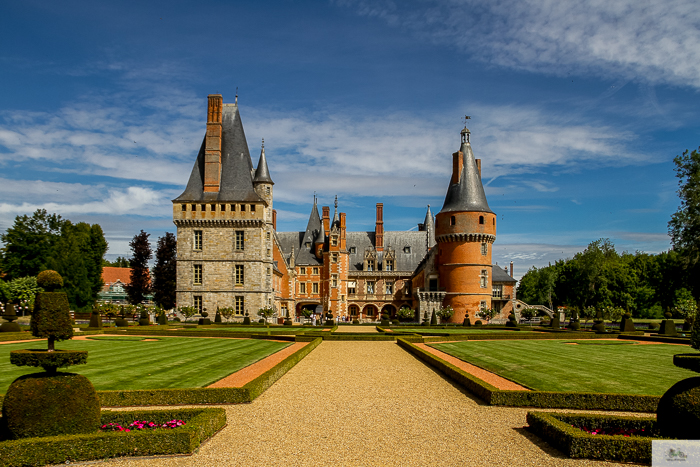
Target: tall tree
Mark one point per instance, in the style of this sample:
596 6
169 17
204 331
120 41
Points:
29 243
165 272
140 278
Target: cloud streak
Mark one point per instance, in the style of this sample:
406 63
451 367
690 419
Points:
657 42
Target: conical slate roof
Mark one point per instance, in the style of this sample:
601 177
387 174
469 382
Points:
262 173
430 228
468 194
313 229
236 165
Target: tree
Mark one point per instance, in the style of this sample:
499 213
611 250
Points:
528 314
445 313
165 271
406 314
140 277
22 289
587 313
227 312
29 243
486 313
266 312
684 226
187 311
120 262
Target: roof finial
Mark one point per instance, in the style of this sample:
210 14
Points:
465 131
263 143
336 201
236 101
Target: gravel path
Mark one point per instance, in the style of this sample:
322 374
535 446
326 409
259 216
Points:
368 404
351 328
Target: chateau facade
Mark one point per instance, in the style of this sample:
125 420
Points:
230 253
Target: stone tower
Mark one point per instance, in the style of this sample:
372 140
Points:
224 221
465 229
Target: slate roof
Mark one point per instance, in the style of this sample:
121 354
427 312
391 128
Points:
262 173
500 275
236 165
468 194
305 254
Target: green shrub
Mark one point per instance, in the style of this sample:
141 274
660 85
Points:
678 413
478 323
49 361
43 404
395 322
49 280
562 431
354 321
467 321
433 319
200 425
51 318
653 326
162 320
96 320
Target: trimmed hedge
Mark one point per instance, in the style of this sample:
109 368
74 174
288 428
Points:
49 361
557 430
201 424
514 336
246 393
544 399
16 336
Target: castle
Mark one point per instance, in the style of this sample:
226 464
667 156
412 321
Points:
230 253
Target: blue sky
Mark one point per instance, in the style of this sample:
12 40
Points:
578 108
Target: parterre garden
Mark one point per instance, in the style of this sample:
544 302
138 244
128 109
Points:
561 369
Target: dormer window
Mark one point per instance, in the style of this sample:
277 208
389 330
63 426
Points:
389 265
407 249
307 244
352 250
370 265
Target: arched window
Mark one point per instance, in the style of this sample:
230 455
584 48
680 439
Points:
481 219
452 220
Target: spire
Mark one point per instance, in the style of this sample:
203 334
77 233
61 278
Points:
466 192
429 228
262 174
313 230
336 220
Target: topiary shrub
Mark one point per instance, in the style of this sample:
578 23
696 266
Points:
144 320
49 280
42 404
354 321
512 322
121 323
96 319
246 319
678 413
653 326
467 321
385 320
261 321
626 323
478 323
695 331
162 320
556 323
433 319
217 317
395 322
574 325
10 316
51 317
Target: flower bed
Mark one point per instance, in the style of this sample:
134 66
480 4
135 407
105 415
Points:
566 432
198 425
142 425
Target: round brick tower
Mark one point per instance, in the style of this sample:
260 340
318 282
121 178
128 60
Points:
465 230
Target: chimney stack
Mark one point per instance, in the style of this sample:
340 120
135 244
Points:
212 148
478 166
326 219
457 164
274 219
511 269
379 228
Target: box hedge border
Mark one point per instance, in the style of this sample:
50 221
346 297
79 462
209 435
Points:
543 399
194 396
201 424
557 430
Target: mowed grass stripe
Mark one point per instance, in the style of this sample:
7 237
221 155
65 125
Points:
170 362
554 365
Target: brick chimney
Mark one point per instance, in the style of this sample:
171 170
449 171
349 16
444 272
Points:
511 269
326 219
212 148
478 166
342 231
379 228
274 219
457 164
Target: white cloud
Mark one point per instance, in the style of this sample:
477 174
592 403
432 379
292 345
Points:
653 41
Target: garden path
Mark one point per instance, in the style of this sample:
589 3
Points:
368 404
356 329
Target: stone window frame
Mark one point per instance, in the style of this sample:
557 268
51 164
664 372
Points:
239 305
238 275
484 278
370 287
198 303
389 287
239 240
334 280
302 288
352 250
315 271
334 257
314 288
352 287
197 274
484 249
198 241
497 290
389 265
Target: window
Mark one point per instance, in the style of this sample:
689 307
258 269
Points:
307 244
432 284
353 309
240 305
484 249
239 275
370 287
302 288
389 265
223 208
267 235
352 250
242 207
269 270
197 274
302 271
268 252
203 208
497 291
184 207
483 305
453 220
212 208
285 311
315 271
407 249
407 288
334 280
370 265
334 241
252 208
193 207
198 240
481 219
240 240
314 288
267 190
484 278
351 287
197 299
342 298
334 257
389 288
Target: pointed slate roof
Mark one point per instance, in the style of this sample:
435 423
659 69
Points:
430 228
262 173
313 229
236 165
468 194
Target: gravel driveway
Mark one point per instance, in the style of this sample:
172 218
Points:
368 404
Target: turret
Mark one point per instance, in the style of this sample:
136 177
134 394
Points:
263 184
465 229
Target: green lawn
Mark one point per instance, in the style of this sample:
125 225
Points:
129 362
588 366
458 330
